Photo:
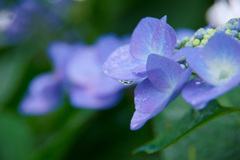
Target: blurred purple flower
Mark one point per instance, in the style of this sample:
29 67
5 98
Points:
46 90
217 65
150 36
90 87
164 83
44 95
77 71
23 19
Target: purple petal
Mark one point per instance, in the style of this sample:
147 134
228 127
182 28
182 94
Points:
43 83
107 43
37 105
105 86
194 60
84 68
60 53
140 71
164 39
222 51
120 65
199 93
82 98
142 38
177 55
163 72
218 61
149 101
44 95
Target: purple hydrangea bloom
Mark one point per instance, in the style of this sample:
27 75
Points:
164 83
150 36
77 71
90 87
217 65
44 95
46 90
26 17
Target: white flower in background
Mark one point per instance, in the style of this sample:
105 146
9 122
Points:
222 11
6 19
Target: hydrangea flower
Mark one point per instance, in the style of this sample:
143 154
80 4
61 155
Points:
44 95
151 35
90 88
221 11
77 71
217 65
46 90
164 83
24 18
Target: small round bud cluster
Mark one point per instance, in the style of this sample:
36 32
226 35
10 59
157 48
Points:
199 39
202 35
233 28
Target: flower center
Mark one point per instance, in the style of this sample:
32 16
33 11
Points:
224 74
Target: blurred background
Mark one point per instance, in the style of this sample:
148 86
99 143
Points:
27 28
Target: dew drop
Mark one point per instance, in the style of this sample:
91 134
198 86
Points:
197 83
125 82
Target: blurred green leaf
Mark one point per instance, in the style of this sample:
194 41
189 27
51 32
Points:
182 127
218 139
16 140
231 98
58 143
11 71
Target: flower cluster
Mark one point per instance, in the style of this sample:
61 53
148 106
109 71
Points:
21 20
164 66
77 72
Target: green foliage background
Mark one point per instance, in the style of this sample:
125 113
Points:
70 133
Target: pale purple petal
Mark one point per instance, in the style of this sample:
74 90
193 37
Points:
222 52
177 55
142 38
163 72
107 43
82 98
44 95
120 65
59 53
194 60
140 71
197 92
84 68
148 102
105 86
164 39
38 105
218 61
43 83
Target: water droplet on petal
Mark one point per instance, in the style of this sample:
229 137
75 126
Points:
105 72
183 66
126 82
198 83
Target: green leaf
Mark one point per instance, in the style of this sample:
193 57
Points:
58 143
231 98
16 138
192 120
218 139
11 71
